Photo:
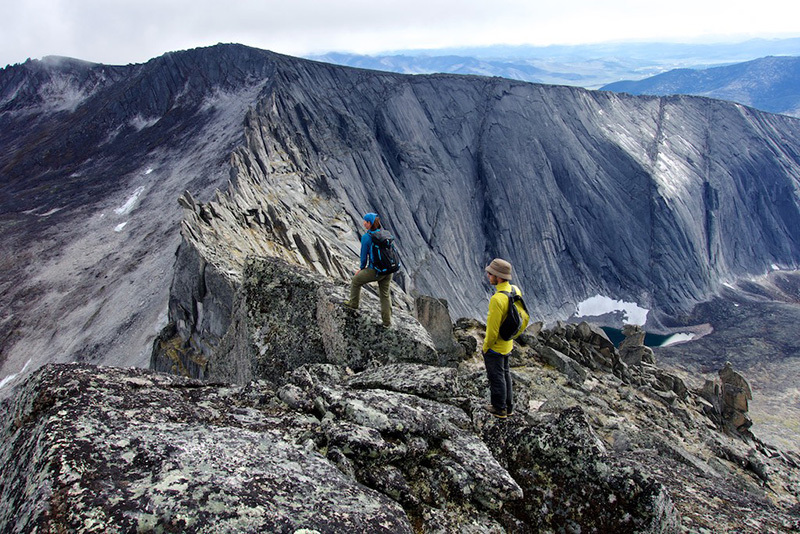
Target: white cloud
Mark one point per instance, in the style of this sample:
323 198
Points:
133 31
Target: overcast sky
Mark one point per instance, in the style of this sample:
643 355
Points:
134 31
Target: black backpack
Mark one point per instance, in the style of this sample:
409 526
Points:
385 258
517 318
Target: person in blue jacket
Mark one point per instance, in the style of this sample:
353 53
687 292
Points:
366 273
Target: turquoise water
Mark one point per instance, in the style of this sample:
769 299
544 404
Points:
651 340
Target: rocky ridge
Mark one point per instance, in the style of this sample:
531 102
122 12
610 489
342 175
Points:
441 157
93 159
383 445
754 323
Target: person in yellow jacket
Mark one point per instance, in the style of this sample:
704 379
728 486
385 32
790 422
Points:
495 349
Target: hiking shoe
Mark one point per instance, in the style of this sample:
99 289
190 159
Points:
345 304
495 412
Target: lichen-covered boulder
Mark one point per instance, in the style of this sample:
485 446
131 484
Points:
434 315
427 381
285 317
568 479
88 449
389 415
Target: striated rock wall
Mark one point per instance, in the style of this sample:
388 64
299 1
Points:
585 192
643 199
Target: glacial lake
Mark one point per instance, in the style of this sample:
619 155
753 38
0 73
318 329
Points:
651 340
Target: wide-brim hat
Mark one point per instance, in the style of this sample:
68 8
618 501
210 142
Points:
499 268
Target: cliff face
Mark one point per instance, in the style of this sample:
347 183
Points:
93 160
651 200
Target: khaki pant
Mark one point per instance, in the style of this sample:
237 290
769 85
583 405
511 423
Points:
365 276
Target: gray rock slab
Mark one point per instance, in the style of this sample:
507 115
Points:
113 450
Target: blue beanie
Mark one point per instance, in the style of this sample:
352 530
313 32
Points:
370 217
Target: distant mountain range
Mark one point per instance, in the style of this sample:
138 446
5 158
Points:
589 66
770 84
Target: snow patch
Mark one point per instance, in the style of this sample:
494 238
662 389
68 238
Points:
677 338
139 123
46 214
52 211
599 305
120 226
65 93
129 205
148 171
11 377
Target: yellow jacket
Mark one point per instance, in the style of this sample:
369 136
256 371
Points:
498 306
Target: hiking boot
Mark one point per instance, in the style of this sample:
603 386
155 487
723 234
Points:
345 304
495 412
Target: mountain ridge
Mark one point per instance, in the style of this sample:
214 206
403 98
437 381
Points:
589 66
769 84
228 186
366 140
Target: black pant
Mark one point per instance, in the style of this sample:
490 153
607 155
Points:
498 371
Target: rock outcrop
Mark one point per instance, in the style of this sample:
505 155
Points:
277 318
588 423
632 350
728 398
90 449
434 315
754 328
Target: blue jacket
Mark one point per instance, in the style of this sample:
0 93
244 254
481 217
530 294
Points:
366 247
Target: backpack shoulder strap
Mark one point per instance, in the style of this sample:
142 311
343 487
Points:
512 295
